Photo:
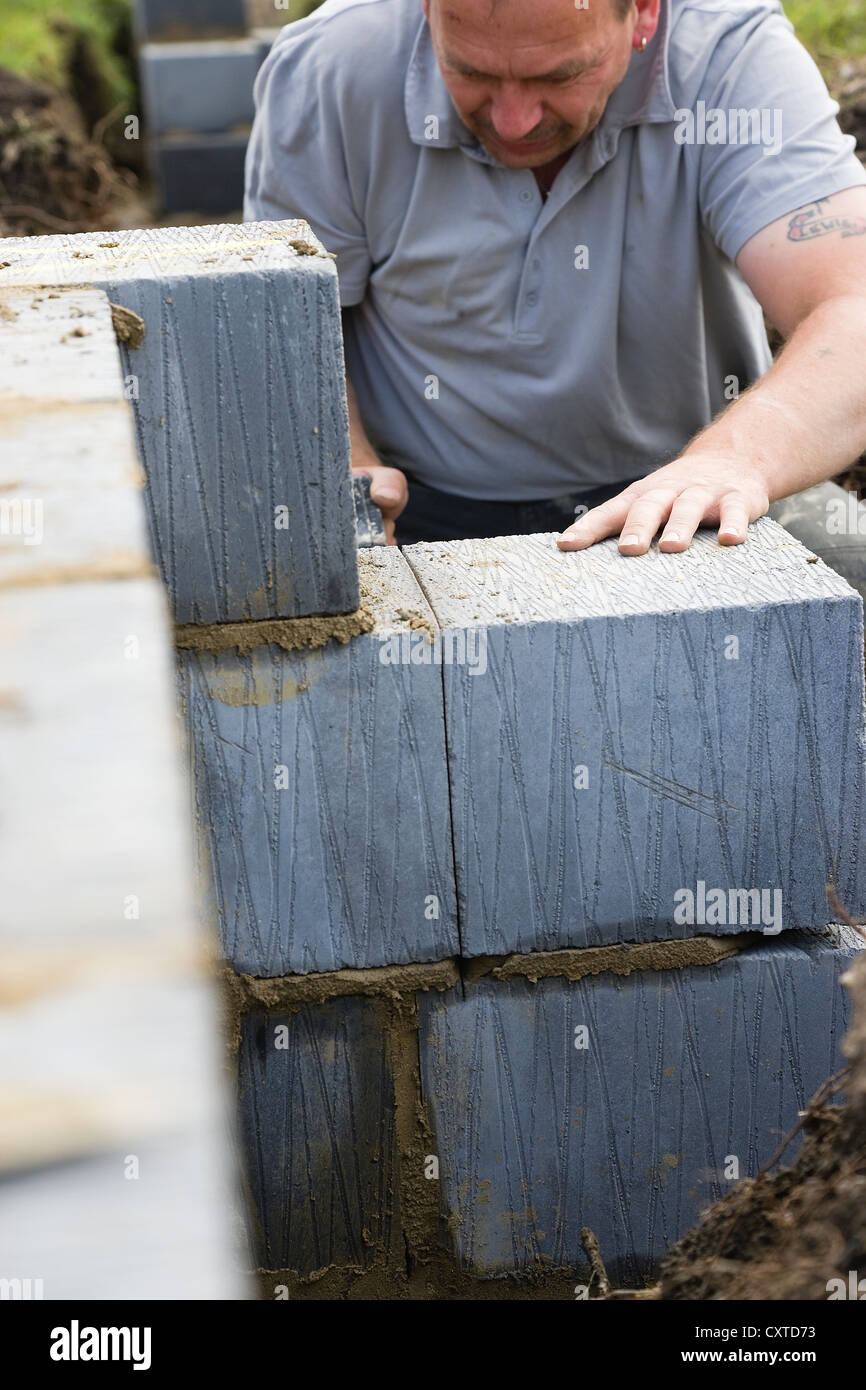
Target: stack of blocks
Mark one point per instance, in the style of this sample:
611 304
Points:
198 64
519 857
655 767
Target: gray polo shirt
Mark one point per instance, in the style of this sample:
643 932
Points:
504 346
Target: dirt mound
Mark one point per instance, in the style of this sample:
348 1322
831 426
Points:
850 92
53 177
787 1235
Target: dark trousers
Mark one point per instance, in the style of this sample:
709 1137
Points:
432 515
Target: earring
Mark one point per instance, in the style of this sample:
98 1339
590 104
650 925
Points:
643 43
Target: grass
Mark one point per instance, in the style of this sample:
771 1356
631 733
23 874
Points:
35 40
831 29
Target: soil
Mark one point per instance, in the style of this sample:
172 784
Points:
850 89
291 634
788 1234
53 176
620 959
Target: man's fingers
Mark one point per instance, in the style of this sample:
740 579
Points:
694 505
596 524
390 491
679 510
734 519
645 516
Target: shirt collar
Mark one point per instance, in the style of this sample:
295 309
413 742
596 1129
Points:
643 96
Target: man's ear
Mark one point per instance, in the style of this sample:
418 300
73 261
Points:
648 18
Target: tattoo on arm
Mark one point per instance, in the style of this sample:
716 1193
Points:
814 222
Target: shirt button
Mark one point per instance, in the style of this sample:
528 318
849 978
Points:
536 263
532 297
525 195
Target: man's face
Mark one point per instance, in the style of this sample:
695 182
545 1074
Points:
530 78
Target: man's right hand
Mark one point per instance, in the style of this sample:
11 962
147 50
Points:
388 489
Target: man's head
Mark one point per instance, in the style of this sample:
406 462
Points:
530 78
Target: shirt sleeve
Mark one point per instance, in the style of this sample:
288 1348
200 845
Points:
761 73
295 164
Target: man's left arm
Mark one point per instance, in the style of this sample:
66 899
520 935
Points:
801 423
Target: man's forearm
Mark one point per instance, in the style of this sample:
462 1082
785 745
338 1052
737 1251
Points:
387 485
806 419
801 423
363 453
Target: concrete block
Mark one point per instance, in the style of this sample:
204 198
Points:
622 1104
89 1230
322 790
369 526
241 415
70 481
109 1074
99 849
830 522
171 20
265 36
316 1111
137 1062
635 745
200 173
199 86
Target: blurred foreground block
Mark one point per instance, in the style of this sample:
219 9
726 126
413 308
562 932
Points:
70 481
644 748
233 361
113 1136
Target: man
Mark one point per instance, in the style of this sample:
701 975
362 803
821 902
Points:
556 224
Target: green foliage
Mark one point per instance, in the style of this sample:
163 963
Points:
830 28
36 36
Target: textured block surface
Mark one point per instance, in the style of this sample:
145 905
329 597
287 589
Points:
241 413
322 791
70 503
631 731
200 173
199 86
619 1104
317 1121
